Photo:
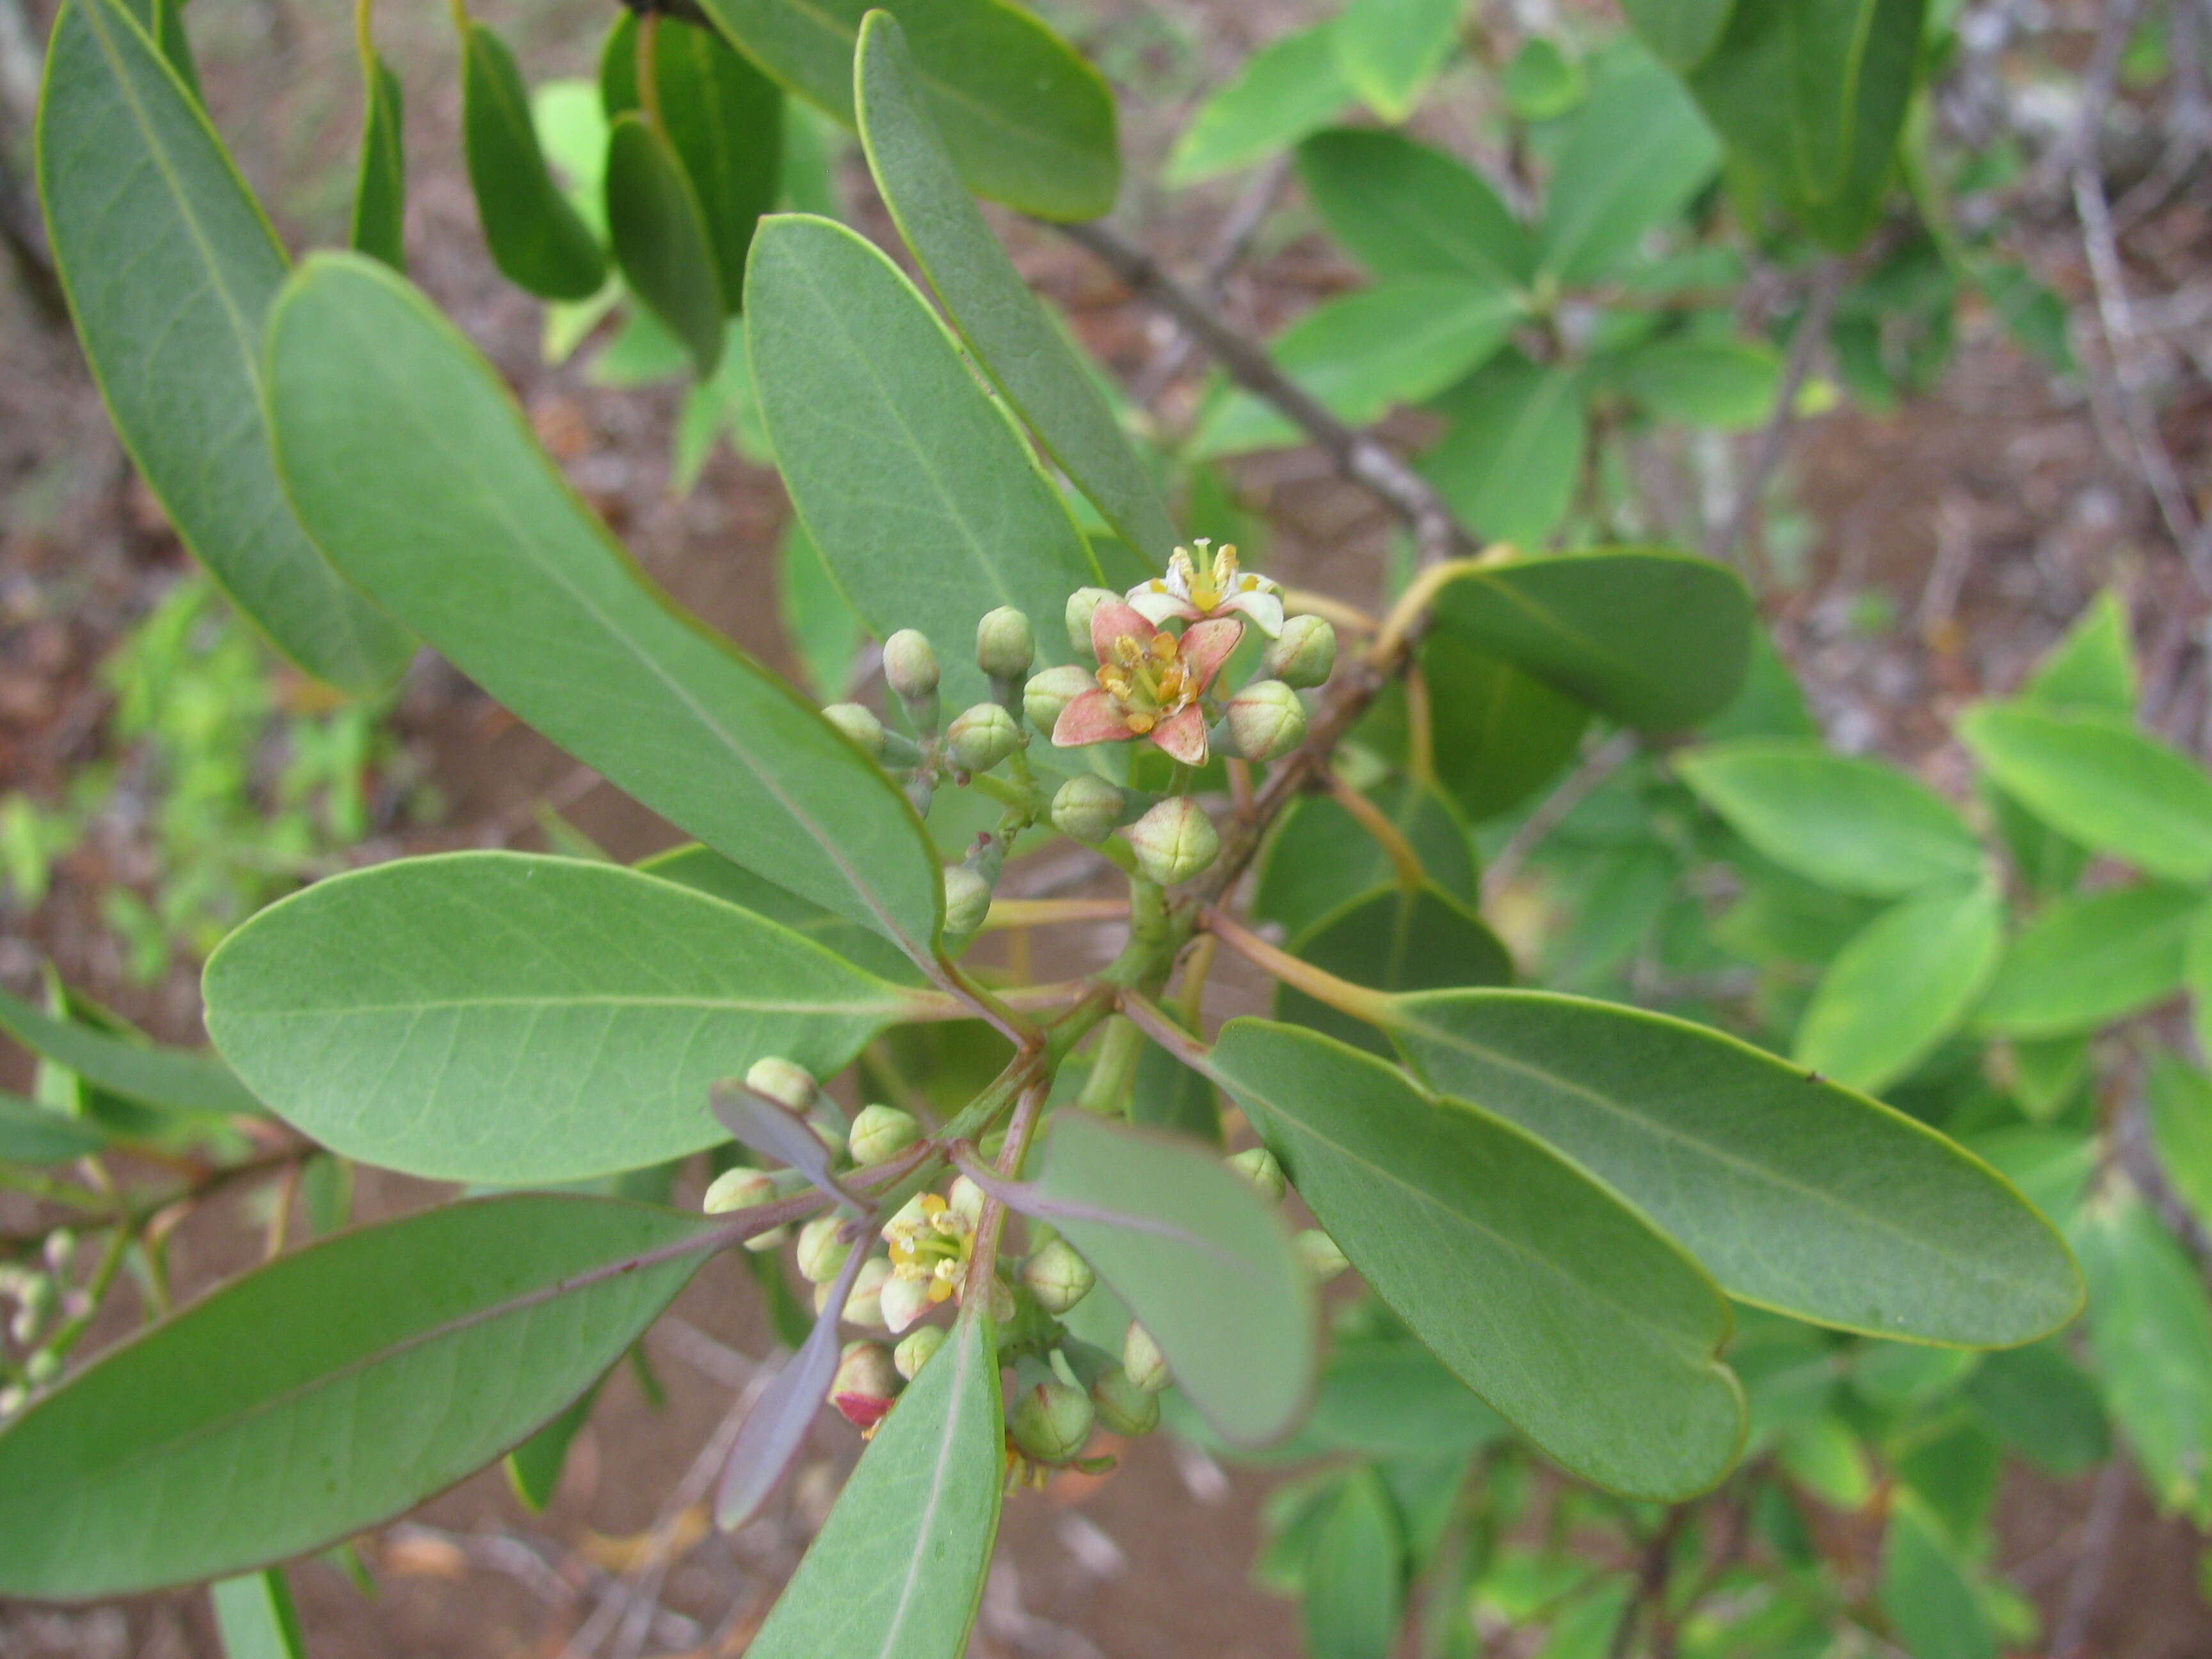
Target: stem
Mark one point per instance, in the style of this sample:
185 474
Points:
1303 602
364 42
1044 913
1774 437
1387 835
1414 604
983 1261
66 1336
648 84
1148 1018
1357 1000
1113 1069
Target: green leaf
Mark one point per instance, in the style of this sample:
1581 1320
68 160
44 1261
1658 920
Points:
1631 158
823 632
32 1133
1388 51
2044 1406
536 238
1279 94
1390 1399
164 23
1319 855
1680 33
1727 385
1509 463
1540 1290
2083 962
285 1411
1901 986
2151 1332
2180 1097
171 1079
254 1617
877 422
1571 621
510 1019
1796 1194
170 268
661 241
1861 826
1168 1095
533 1468
1544 80
2093 667
1198 1260
709 871
1015 341
2093 776
1496 733
416 471
1926 1593
897 1570
1419 938
379 192
723 118
1355 1588
1405 210
1028 122
1365 353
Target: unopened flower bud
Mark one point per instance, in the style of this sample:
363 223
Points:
1058 1276
1080 603
857 721
1142 1359
980 737
1320 1253
12 1399
865 1385
37 1294
741 1188
1005 648
967 900
964 1198
783 1081
821 1251
902 1301
42 1368
1123 1408
864 1307
1258 1167
1052 1422
910 664
61 1249
881 1134
1267 721
1174 841
916 1349
1086 808
1048 693
1303 654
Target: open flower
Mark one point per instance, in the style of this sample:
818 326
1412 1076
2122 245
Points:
1149 682
1209 585
930 1242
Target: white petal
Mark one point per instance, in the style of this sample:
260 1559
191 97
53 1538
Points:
1264 607
1155 607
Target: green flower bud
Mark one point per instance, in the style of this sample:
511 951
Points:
1123 1408
1141 1359
1258 1166
13 1398
42 1368
1174 841
967 900
902 1301
741 1188
980 737
1080 603
865 1306
880 1133
1303 655
909 664
1319 1253
1048 693
865 1385
1052 1422
1005 648
916 1349
1058 1276
822 1253
1086 808
1267 721
857 721
783 1081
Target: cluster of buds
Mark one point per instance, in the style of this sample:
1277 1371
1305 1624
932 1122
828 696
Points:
39 1298
1320 1253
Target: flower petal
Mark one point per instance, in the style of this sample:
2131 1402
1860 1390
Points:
1156 605
1263 605
1206 646
1114 620
1094 717
1182 734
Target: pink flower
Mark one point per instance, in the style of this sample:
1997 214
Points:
1149 682
1209 585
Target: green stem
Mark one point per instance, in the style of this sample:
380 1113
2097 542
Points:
95 1291
1112 1068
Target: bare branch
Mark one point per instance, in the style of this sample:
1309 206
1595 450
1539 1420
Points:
1231 242
1774 437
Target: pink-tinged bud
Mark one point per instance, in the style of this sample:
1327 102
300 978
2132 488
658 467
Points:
901 1302
1050 692
880 1133
1052 1422
909 664
867 1384
857 721
1086 808
916 1349
864 1307
967 902
1303 655
783 1081
1141 1359
964 1198
1005 646
1174 841
1267 721
1320 1253
980 737
821 1251
1259 1168
1123 1408
1080 604
1058 1276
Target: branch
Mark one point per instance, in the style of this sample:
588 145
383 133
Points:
2069 1639
1773 438
1230 241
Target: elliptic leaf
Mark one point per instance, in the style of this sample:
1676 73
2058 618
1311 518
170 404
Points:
2044 1406
286 1410
1497 734
2084 961
414 471
169 1079
170 269
509 1019
1281 92
1929 1601
709 871
1543 1291
1399 939
32 1133
1388 51
1680 33
661 239
536 238
1355 1586
2152 1336
1403 208
1508 464
379 190
1905 983
1796 1194
1633 156
2180 1101
2092 667
1727 385
254 1617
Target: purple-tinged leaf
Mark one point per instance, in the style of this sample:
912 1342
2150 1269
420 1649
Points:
769 1443
769 1127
